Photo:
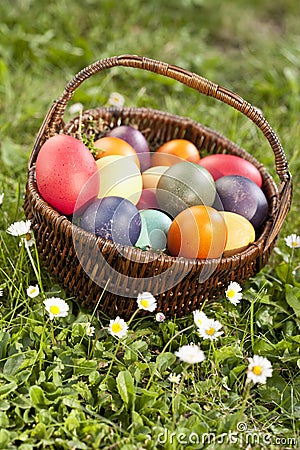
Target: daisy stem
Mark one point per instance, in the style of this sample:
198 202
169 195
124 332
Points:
91 350
245 396
163 351
252 323
132 317
112 361
290 266
52 333
174 404
215 359
37 274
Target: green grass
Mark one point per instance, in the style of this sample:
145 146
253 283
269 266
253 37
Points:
61 389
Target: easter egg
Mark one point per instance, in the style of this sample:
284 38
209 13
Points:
182 185
152 176
240 233
241 195
107 146
113 218
147 200
137 140
66 173
175 151
120 177
220 165
197 232
155 227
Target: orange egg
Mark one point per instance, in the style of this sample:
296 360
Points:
108 146
197 232
240 233
175 151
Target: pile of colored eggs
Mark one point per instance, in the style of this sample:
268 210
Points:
170 200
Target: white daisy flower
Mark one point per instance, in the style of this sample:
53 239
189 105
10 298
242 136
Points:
1 292
1 198
28 240
118 327
56 307
292 241
199 318
116 99
190 354
259 369
19 228
233 293
174 378
146 301
160 317
90 330
210 329
33 291
76 108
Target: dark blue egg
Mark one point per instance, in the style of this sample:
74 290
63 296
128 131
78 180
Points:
113 218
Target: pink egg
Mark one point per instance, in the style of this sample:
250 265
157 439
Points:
147 200
220 165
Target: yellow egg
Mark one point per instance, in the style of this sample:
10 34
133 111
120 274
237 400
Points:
240 233
152 175
119 176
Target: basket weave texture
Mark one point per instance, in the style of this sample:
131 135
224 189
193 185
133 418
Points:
111 276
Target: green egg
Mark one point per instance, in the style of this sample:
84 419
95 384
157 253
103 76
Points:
183 185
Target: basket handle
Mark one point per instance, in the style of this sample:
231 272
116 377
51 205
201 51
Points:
54 118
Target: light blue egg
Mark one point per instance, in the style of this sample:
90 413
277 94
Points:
155 227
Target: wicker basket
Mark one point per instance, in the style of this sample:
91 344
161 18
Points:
116 274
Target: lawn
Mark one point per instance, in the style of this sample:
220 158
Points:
69 382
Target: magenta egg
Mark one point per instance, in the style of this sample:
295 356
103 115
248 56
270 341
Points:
148 200
220 165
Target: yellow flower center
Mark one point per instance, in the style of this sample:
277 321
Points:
200 321
295 244
210 331
116 328
230 293
257 370
54 309
144 302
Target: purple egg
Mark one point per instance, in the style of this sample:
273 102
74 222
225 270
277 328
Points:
242 196
113 218
137 140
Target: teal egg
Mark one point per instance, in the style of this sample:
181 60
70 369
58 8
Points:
155 227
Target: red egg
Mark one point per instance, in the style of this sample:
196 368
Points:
66 173
220 165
